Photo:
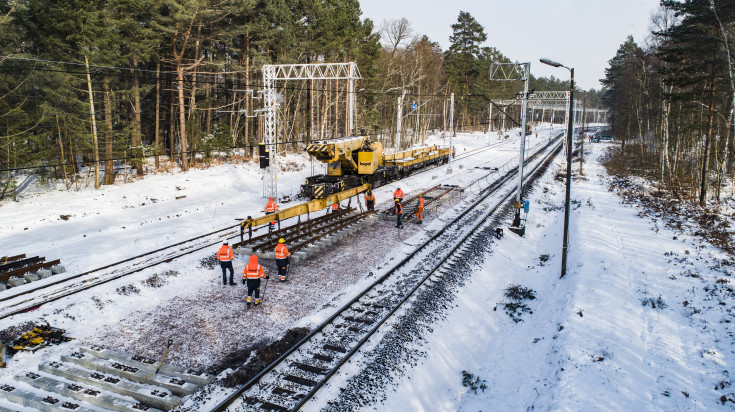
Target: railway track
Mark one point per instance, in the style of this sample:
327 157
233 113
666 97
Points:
295 377
32 297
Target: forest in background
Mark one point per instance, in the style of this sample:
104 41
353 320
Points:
134 85
671 100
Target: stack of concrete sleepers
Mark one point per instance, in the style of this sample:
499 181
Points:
93 379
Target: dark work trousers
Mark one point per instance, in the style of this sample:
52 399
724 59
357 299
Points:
398 220
282 265
226 265
271 225
254 286
370 204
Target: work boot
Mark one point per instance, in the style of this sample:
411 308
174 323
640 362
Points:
257 302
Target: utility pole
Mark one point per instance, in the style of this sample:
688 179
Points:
451 132
582 136
399 112
521 157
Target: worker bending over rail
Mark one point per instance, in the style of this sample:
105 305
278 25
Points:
282 259
251 276
225 256
398 195
370 200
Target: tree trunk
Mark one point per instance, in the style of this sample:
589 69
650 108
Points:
137 141
182 120
207 97
95 146
61 154
157 128
172 121
109 165
707 140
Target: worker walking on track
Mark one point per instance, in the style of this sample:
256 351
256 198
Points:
399 214
370 200
270 208
251 276
283 259
225 256
398 195
420 210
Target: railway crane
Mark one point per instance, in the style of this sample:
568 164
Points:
354 161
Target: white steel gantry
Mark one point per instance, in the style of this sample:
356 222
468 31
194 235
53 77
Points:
554 100
315 71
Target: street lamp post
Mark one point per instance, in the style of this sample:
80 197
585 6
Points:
570 132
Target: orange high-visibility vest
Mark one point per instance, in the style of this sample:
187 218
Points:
282 251
271 206
421 202
225 254
399 208
398 194
251 272
370 197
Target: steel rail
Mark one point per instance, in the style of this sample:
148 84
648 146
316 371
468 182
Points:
10 295
437 267
66 279
64 293
222 406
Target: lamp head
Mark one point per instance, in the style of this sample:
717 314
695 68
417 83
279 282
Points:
550 62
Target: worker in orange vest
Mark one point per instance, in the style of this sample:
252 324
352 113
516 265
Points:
399 213
270 208
370 200
282 259
420 210
225 256
398 195
251 276
335 207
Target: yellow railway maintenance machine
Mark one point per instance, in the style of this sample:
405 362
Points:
355 161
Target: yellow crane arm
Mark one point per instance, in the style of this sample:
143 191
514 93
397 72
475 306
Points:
303 208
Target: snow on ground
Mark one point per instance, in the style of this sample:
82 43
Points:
183 300
642 320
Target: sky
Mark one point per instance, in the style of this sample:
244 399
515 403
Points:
583 34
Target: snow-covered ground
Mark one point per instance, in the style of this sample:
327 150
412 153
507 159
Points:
184 300
641 321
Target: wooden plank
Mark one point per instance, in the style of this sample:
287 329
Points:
23 271
6 267
6 259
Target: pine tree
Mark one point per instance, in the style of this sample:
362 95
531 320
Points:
463 66
696 63
620 86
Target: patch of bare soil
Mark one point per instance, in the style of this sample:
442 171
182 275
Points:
212 329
